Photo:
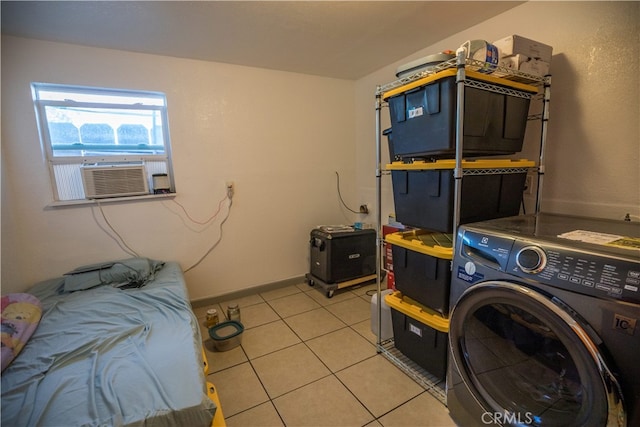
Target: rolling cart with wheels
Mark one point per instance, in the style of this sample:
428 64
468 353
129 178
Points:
330 288
341 256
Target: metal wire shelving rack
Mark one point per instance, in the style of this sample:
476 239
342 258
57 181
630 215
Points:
436 386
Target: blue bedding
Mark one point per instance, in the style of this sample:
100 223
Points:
109 356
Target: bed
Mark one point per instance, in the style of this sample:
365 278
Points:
117 344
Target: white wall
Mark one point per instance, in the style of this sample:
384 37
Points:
279 136
593 146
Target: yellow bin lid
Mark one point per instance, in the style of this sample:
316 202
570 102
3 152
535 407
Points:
437 245
466 164
417 311
451 72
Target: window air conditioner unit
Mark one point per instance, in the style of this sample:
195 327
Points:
114 181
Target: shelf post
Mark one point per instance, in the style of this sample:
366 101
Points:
461 54
543 140
378 216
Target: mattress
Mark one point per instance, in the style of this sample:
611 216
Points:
111 356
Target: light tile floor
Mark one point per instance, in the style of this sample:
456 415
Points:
309 360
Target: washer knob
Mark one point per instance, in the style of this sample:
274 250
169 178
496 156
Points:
531 259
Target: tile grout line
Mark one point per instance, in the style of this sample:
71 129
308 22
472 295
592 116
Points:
331 373
250 360
305 342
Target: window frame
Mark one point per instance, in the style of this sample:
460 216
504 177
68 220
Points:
102 159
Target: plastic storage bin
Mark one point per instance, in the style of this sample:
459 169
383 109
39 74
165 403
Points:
419 333
422 267
423 192
342 254
389 134
424 64
423 116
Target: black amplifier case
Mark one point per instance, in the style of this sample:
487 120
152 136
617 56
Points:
339 256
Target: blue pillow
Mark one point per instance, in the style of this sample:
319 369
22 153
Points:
133 272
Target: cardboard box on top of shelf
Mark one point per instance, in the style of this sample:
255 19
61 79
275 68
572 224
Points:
514 44
523 63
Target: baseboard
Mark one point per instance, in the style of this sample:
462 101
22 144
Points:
206 301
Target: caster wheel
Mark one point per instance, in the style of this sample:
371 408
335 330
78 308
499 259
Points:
311 282
329 294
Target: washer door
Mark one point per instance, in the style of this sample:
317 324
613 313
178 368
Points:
528 361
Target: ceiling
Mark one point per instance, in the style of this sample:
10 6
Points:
340 39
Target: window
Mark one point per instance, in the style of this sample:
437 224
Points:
84 130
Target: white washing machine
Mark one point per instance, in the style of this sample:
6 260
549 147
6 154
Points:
544 325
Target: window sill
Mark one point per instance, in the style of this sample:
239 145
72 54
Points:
91 202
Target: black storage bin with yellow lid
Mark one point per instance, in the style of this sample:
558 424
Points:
423 116
422 266
423 192
419 333
389 134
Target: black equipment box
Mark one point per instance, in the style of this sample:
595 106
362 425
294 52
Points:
339 254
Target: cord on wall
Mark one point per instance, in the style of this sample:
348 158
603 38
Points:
340 195
206 222
230 197
113 234
121 243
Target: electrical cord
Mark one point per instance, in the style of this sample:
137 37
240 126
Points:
200 222
230 197
126 248
340 195
136 281
122 244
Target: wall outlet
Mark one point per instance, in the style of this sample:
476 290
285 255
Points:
364 209
231 188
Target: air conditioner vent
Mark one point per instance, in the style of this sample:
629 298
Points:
114 181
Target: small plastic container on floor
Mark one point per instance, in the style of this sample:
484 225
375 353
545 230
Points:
226 335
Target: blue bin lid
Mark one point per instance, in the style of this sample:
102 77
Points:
225 330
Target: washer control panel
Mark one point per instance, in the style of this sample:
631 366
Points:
576 270
564 267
